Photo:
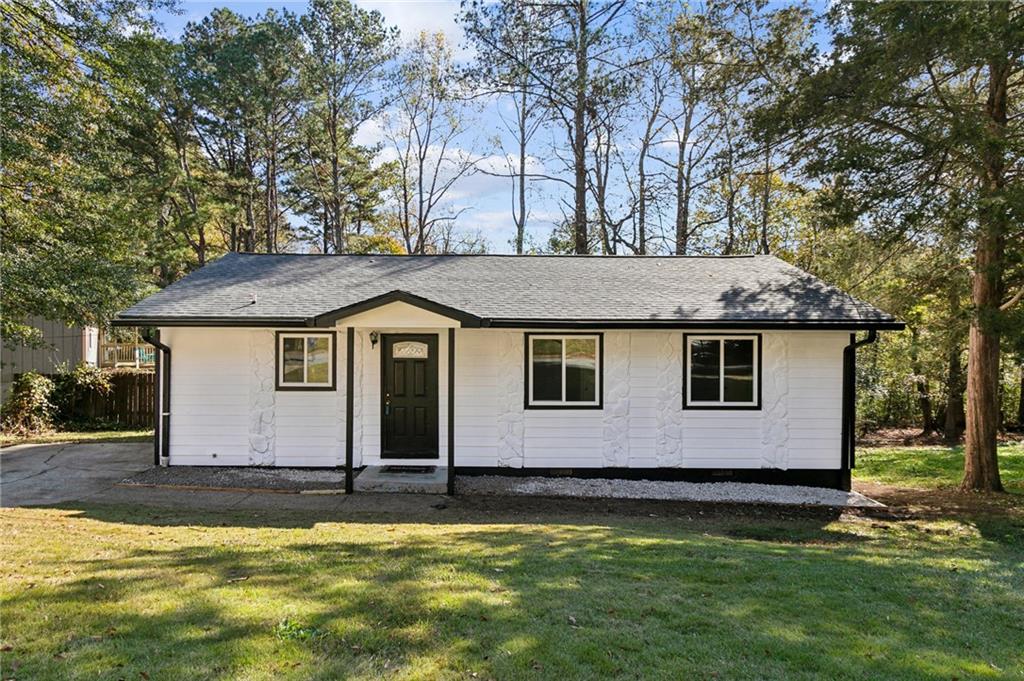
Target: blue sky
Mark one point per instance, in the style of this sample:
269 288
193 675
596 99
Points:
486 200
483 201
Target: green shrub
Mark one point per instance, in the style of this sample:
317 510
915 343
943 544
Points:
73 387
28 409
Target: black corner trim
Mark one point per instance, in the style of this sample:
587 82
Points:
451 411
306 388
349 405
723 407
329 318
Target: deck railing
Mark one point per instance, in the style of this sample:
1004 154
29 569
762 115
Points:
126 355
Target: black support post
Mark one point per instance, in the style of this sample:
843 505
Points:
451 411
350 344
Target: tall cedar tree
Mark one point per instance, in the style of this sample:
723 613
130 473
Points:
941 109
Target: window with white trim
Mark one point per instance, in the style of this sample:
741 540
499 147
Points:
722 371
305 361
563 370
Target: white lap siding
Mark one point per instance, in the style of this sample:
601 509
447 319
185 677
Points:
225 410
643 423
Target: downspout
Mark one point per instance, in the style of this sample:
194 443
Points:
162 408
849 434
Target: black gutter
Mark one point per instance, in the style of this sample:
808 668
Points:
844 325
288 322
590 324
162 404
849 418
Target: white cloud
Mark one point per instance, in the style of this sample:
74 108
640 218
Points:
413 16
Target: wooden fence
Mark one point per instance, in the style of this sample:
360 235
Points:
129 402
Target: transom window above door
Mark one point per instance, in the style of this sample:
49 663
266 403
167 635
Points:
305 361
410 350
722 372
563 371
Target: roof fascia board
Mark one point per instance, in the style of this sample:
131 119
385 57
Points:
330 318
211 321
844 325
471 321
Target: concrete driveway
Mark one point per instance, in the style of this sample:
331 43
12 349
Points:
32 475
45 475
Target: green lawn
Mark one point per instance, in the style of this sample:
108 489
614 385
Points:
7 440
932 467
506 590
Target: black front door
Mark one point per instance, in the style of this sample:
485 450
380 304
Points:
409 392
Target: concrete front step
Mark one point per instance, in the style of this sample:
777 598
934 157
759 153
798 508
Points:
391 478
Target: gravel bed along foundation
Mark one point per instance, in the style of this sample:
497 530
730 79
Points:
278 479
300 479
730 492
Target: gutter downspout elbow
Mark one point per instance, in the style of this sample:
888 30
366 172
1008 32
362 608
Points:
848 449
162 408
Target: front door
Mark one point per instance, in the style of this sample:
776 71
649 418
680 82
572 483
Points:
409 391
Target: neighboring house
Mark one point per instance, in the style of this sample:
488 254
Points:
670 367
71 346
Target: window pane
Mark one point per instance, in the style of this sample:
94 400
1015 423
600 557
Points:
704 367
316 369
580 370
547 369
739 370
292 354
410 349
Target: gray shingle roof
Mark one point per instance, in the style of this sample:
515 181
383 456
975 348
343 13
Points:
645 290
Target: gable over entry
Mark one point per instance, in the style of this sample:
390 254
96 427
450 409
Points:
397 308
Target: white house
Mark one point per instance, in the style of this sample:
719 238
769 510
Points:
646 367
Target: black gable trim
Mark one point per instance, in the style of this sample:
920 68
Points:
329 318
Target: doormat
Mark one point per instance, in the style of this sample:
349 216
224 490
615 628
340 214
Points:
409 470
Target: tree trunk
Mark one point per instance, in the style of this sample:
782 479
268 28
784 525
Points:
271 200
924 398
326 231
523 122
579 145
682 203
1020 400
683 186
981 465
642 208
954 417
766 199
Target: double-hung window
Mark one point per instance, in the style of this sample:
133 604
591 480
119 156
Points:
563 371
305 361
722 372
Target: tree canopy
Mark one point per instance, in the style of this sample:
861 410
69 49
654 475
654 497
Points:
877 145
